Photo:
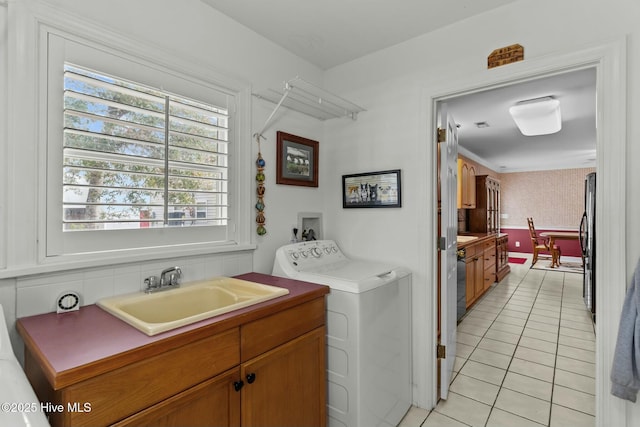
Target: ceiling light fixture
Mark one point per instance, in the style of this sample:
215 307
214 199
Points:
540 116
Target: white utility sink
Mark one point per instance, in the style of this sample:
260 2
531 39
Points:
190 303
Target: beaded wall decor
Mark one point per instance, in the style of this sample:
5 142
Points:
260 219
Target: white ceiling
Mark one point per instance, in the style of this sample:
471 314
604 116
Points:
331 32
328 33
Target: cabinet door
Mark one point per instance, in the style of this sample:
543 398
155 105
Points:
286 387
471 284
471 188
479 274
213 403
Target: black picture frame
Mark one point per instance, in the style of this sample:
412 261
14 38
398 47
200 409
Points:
372 190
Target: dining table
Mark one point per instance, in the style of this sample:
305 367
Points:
559 235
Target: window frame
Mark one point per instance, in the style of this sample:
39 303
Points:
54 246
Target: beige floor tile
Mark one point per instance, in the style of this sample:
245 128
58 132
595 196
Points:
506 327
414 417
464 350
545 327
463 409
483 372
502 336
528 385
475 389
458 363
576 366
531 369
497 346
577 353
544 319
467 339
523 405
575 381
472 329
546 313
574 399
565 417
577 342
536 344
490 358
576 333
535 356
476 314
518 321
436 419
564 323
514 313
518 307
541 335
500 418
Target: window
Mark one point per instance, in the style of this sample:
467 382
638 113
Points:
135 157
139 157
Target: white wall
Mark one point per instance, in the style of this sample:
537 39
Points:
196 37
396 86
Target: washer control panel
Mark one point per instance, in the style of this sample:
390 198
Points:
309 255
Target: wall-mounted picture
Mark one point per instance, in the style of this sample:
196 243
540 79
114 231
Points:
372 190
297 160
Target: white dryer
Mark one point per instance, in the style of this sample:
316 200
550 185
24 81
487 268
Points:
368 332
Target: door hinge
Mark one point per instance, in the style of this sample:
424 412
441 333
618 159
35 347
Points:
441 351
442 135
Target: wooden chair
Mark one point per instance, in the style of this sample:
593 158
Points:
542 245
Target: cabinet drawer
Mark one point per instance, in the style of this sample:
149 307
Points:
489 244
489 259
264 334
124 391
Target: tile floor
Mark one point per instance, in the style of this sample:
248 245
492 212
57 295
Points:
525 357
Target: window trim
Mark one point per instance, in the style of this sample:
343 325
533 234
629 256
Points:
239 217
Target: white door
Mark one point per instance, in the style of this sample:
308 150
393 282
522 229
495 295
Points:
448 245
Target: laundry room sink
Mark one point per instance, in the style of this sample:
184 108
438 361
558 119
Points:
192 302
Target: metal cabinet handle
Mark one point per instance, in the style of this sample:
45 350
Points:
237 385
251 377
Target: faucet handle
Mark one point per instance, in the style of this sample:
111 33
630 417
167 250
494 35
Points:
151 282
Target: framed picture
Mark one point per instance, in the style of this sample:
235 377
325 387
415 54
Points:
297 160
372 190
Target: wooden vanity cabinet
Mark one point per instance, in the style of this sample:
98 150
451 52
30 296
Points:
267 372
474 263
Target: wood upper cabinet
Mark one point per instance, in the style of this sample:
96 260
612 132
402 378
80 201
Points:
466 185
485 218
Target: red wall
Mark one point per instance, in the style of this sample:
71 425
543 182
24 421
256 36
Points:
568 247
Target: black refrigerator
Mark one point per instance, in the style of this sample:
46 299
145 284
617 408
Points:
588 243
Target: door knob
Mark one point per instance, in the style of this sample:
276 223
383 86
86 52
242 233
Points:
237 385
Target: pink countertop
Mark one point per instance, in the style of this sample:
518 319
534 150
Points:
64 343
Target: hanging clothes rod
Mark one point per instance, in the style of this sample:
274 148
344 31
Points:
301 96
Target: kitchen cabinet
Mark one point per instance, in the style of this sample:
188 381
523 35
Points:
502 256
474 263
466 185
480 264
489 256
262 366
485 218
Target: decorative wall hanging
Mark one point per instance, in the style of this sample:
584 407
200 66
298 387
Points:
297 160
372 190
260 164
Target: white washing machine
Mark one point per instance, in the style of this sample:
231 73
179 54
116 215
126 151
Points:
368 332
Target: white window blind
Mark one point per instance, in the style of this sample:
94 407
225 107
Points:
137 157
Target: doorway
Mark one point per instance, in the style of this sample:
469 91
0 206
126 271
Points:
607 60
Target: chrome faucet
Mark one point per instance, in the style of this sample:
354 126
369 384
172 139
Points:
169 278
174 274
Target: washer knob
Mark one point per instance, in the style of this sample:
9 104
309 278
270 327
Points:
316 252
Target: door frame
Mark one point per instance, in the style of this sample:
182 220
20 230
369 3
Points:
609 59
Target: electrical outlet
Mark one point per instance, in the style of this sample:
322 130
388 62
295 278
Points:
517 244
